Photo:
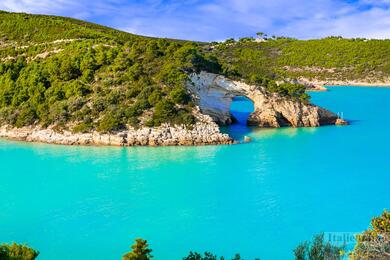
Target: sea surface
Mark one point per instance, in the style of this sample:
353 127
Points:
260 199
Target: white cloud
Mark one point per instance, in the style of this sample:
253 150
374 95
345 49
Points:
220 19
33 6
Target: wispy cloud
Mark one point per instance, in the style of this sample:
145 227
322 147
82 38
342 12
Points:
221 19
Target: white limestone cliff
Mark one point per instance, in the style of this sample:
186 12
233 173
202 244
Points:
214 94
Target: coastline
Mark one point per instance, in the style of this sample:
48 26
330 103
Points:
320 85
204 132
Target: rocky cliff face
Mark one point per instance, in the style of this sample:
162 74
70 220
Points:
214 94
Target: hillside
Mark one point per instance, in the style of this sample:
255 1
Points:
83 76
79 76
329 59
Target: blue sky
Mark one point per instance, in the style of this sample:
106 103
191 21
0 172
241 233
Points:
220 19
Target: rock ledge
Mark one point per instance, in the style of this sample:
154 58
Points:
204 132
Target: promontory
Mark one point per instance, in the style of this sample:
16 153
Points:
67 81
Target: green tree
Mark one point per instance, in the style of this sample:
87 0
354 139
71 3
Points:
318 249
208 256
27 116
139 251
374 243
164 112
237 257
17 252
260 34
68 69
179 95
197 256
110 122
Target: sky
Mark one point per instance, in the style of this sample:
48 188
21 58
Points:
217 20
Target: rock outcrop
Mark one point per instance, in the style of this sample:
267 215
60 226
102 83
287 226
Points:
204 132
340 121
214 94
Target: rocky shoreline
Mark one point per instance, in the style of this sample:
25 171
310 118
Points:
204 132
319 85
213 95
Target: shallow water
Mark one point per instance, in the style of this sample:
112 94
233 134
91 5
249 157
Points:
260 199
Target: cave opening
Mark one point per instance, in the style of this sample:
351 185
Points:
240 109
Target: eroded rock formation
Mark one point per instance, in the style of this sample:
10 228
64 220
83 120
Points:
214 94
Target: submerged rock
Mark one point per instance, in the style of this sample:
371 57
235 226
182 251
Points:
247 139
340 121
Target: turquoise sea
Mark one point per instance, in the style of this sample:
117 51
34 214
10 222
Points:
260 199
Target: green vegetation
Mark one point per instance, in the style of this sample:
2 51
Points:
208 256
374 243
43 28
75 75
332 58
17 252
318 249
140 251
79 76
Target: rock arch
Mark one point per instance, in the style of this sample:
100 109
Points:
241 108
214 93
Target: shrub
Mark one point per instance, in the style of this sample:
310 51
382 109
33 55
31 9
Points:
184 117
17 252
318 249
155 97
179 95
140 251
27 116
164 112
197 256
83 127
374 243
110 122
208 256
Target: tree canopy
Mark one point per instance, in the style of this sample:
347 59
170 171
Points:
17 252
374 243
139 251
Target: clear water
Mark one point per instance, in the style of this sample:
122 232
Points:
260 199
240 108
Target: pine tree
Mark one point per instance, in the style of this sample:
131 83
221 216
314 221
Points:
140 251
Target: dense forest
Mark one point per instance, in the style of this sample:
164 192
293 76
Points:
71 74
332 58
75 75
